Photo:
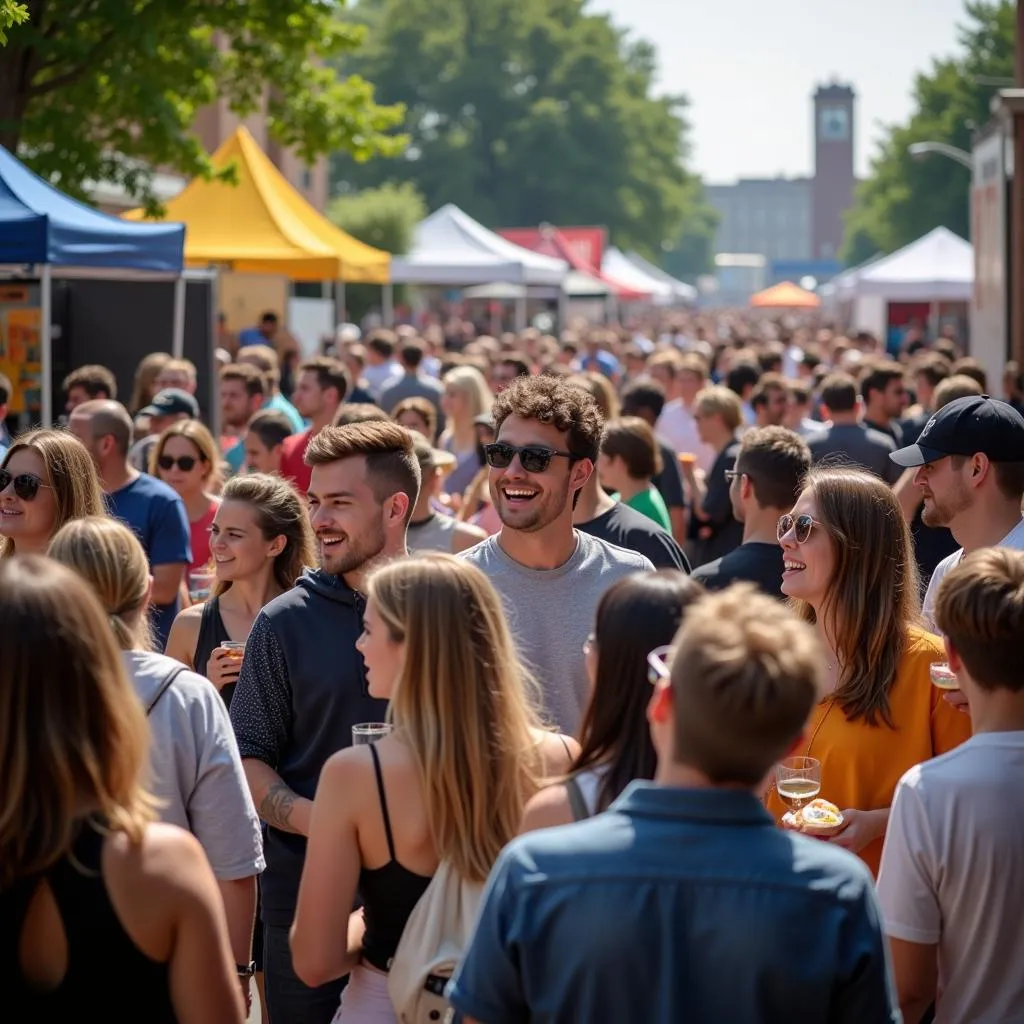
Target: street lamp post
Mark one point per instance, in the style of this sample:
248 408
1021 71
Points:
919 150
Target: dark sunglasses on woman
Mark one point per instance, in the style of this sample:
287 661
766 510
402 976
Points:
534 458
186 463
802 525
26 485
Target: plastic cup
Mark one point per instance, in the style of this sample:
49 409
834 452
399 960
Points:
943 676
686 458
370 732
235 649
199 584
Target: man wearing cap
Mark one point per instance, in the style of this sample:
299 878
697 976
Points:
168 406
430 530
971 469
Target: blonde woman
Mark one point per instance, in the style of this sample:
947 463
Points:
449 784
466 396
47 478
144 386
195 768
261 543
186 458
103 913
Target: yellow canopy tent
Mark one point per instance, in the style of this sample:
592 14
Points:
262 225
780 296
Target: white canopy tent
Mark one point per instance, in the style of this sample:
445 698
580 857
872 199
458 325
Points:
617 266
936 268
683 292
451 249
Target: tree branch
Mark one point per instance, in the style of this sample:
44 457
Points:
74 73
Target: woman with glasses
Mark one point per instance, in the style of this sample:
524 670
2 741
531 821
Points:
448 784
636 619
47 478
104 914
187 458
849 570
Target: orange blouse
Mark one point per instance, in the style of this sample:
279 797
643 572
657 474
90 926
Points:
861 763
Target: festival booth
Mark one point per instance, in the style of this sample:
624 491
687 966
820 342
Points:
684 294
661 290
56 254
930 281
451 250
785 295
262 225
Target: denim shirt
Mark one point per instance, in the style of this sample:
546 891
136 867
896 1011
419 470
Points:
677 905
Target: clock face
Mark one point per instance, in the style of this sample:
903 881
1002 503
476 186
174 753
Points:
834 124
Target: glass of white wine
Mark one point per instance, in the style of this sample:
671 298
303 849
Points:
798 780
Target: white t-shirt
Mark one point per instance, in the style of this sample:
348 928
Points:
678 429
196 770
1014 540
951 874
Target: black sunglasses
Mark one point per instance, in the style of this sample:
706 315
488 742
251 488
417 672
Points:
533 458
186 463
801 524
26 485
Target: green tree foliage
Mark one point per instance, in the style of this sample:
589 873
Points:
11 13
383 217
693 252
903 198
105 89
525 111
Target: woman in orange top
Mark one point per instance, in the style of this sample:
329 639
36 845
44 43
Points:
850 571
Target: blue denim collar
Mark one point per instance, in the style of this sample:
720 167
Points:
721 806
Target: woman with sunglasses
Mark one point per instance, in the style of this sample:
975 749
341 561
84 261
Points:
47 478
187 458
449 784
849 570
637 615
104 913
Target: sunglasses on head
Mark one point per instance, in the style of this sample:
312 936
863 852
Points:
534 458
186 463
801 525
26 485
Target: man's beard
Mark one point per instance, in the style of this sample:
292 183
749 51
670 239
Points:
937 515
356 552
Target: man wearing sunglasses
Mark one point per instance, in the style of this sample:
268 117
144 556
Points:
550 576
152 509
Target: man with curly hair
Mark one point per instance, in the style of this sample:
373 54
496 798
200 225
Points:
550 576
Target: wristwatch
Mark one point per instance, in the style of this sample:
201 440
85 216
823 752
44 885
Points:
246 970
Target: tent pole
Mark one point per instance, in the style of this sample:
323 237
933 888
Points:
214 412
933 319
389 305
46 344
178 330
563 303
521 313
339 304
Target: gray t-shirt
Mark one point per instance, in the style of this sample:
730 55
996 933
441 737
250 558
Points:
551 612
855 444
196 770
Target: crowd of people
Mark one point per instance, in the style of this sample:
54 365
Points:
441 673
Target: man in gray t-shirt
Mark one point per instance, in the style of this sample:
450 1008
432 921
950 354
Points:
550 576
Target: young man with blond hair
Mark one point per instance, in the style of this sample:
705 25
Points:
683 901
949 885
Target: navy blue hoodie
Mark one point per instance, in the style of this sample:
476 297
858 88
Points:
301 689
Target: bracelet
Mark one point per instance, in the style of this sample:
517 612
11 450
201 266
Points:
246 970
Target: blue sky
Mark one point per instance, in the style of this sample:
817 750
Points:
749 68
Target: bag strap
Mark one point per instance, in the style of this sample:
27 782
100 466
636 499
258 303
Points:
164 687
577 804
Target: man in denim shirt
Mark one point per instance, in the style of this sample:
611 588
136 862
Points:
684 902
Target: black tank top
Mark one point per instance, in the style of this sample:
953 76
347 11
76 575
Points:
211 635
389 894
107 976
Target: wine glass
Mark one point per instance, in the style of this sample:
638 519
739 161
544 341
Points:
798 780
943 676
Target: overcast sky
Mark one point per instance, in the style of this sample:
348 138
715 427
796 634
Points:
749 68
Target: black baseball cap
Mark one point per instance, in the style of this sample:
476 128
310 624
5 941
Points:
172 402
976 424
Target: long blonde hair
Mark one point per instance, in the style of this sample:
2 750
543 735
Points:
464 702
873 596
107 555
73 736
469 381
69 471
144 384
202 440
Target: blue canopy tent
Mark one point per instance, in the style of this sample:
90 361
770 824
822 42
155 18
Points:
41 226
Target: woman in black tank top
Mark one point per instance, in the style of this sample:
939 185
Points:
101 911
437 645
260 541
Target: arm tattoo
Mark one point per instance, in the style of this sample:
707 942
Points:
276 807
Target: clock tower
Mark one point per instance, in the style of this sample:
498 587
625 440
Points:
833 168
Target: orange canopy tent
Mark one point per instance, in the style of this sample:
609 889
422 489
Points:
785 296
262 225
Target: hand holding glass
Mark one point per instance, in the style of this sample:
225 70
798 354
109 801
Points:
798 780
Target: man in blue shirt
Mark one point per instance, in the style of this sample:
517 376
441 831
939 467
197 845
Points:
684 901
152 509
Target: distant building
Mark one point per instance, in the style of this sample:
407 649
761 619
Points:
796 223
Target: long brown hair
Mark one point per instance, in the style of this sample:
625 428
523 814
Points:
873 596
465 703
73 735
69 471
279 512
